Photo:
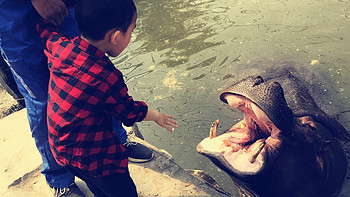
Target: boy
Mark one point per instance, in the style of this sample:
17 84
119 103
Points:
86 91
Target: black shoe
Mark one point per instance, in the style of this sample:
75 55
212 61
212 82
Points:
71 191
137 152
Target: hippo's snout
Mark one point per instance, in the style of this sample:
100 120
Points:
269 96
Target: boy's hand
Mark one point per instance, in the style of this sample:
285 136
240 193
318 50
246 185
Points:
163 120
53 11
166 121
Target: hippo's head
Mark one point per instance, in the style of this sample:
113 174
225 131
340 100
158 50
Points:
245 147
270 151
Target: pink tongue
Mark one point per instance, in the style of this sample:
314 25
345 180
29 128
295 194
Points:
241 136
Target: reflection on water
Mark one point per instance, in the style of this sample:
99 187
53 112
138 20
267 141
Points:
176 30
183 53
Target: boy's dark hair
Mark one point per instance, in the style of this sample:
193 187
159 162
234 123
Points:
96 17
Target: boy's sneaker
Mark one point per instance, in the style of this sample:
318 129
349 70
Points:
71 191
137 152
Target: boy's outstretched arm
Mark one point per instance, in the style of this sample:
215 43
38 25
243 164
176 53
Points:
166 121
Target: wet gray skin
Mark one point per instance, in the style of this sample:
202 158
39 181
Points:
279 149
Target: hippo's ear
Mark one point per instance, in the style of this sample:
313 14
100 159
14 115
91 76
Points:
306 130
309 121
258 80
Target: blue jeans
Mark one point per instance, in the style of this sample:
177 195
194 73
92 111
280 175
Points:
32 82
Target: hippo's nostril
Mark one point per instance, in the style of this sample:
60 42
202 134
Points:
258 81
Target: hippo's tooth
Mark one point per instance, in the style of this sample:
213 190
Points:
256 150
214 126
243 125
235 147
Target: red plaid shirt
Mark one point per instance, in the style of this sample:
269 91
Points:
85 91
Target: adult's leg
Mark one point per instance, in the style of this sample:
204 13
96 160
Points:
23 51
32 82
119 130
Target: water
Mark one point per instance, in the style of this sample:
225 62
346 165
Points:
183 53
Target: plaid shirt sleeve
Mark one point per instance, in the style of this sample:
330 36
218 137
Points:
121 105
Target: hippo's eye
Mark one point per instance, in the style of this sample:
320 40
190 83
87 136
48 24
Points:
241 106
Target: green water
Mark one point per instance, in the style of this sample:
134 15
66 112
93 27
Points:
183 53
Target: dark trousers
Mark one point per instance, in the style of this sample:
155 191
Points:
116 185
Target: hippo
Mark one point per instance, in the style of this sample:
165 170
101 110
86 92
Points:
279 148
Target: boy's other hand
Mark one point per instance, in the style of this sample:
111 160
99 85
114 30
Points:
53 11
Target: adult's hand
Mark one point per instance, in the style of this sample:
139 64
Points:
52 11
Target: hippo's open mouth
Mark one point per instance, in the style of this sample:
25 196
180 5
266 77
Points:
242 149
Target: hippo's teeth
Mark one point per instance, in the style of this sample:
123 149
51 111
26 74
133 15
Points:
256 150
243 125
214 126
235 147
